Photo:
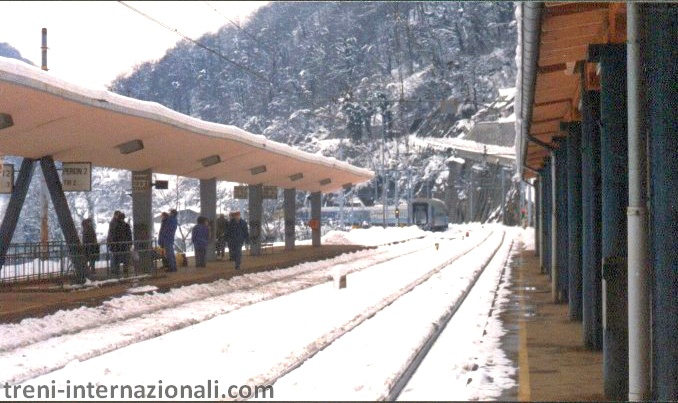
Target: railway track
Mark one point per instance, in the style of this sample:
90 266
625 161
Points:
346 350
308 352
213 302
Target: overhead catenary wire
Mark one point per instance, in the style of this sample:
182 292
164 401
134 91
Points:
254 38
199 44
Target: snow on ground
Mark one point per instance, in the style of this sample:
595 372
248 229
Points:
247 328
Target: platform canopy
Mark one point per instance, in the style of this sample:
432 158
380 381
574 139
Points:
41 115
554 45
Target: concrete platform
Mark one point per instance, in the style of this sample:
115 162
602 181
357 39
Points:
20 301
549 348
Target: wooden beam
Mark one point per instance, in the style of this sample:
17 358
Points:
556 110
572 8
568 42
545 127
573 112
563 56
573 20
572 33
541 97
552 68
591 77
616 27
555 101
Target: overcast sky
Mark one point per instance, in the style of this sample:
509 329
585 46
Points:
92 42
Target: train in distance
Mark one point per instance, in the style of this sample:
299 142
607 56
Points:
427 213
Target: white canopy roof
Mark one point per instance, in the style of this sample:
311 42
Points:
76 124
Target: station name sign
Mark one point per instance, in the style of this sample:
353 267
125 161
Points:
240 192
267 192
270 192
141 182
6 178
76 176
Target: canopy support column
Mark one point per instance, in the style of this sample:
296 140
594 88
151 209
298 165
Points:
256 212
208 209
289 202
56 191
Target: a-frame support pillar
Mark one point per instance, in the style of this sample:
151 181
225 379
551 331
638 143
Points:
16 202
64 216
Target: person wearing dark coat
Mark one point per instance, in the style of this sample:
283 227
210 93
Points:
90 243
120 241
227 236
166 239
163 223
220 235
237 235
200 237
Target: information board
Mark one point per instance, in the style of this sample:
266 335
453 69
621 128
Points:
76 176
270 192
240 192
6 178
141 182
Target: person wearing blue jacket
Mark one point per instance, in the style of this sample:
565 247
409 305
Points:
237 234
200 237
166 239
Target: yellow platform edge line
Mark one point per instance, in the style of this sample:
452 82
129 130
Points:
523 361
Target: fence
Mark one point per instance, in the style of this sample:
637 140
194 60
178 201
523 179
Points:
37 261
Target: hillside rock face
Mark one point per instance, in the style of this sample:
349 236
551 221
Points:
373 83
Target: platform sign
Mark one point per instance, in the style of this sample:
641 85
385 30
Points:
76 176
141 182
240 192
6 178
270 192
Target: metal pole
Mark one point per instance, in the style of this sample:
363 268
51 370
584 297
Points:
44 49
470 195
503 197
530 188
554 227
383 176
341 191
409 196
640 345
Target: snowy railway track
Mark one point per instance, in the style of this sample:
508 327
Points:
305 354
415 361
19 340
32 330
351 354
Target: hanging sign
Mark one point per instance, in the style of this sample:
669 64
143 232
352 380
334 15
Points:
240 192
76 176
6 178
141 182
270 192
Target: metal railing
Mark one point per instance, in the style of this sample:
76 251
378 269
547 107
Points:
37 261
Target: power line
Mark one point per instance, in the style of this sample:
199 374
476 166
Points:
258 75
214 52
266 47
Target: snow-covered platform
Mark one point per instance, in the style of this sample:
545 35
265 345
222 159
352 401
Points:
33 299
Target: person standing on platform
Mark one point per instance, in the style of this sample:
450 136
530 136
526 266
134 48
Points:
220 235
200 236
125 237
119 241
90 243
166 240
238 235
227 235
163 223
